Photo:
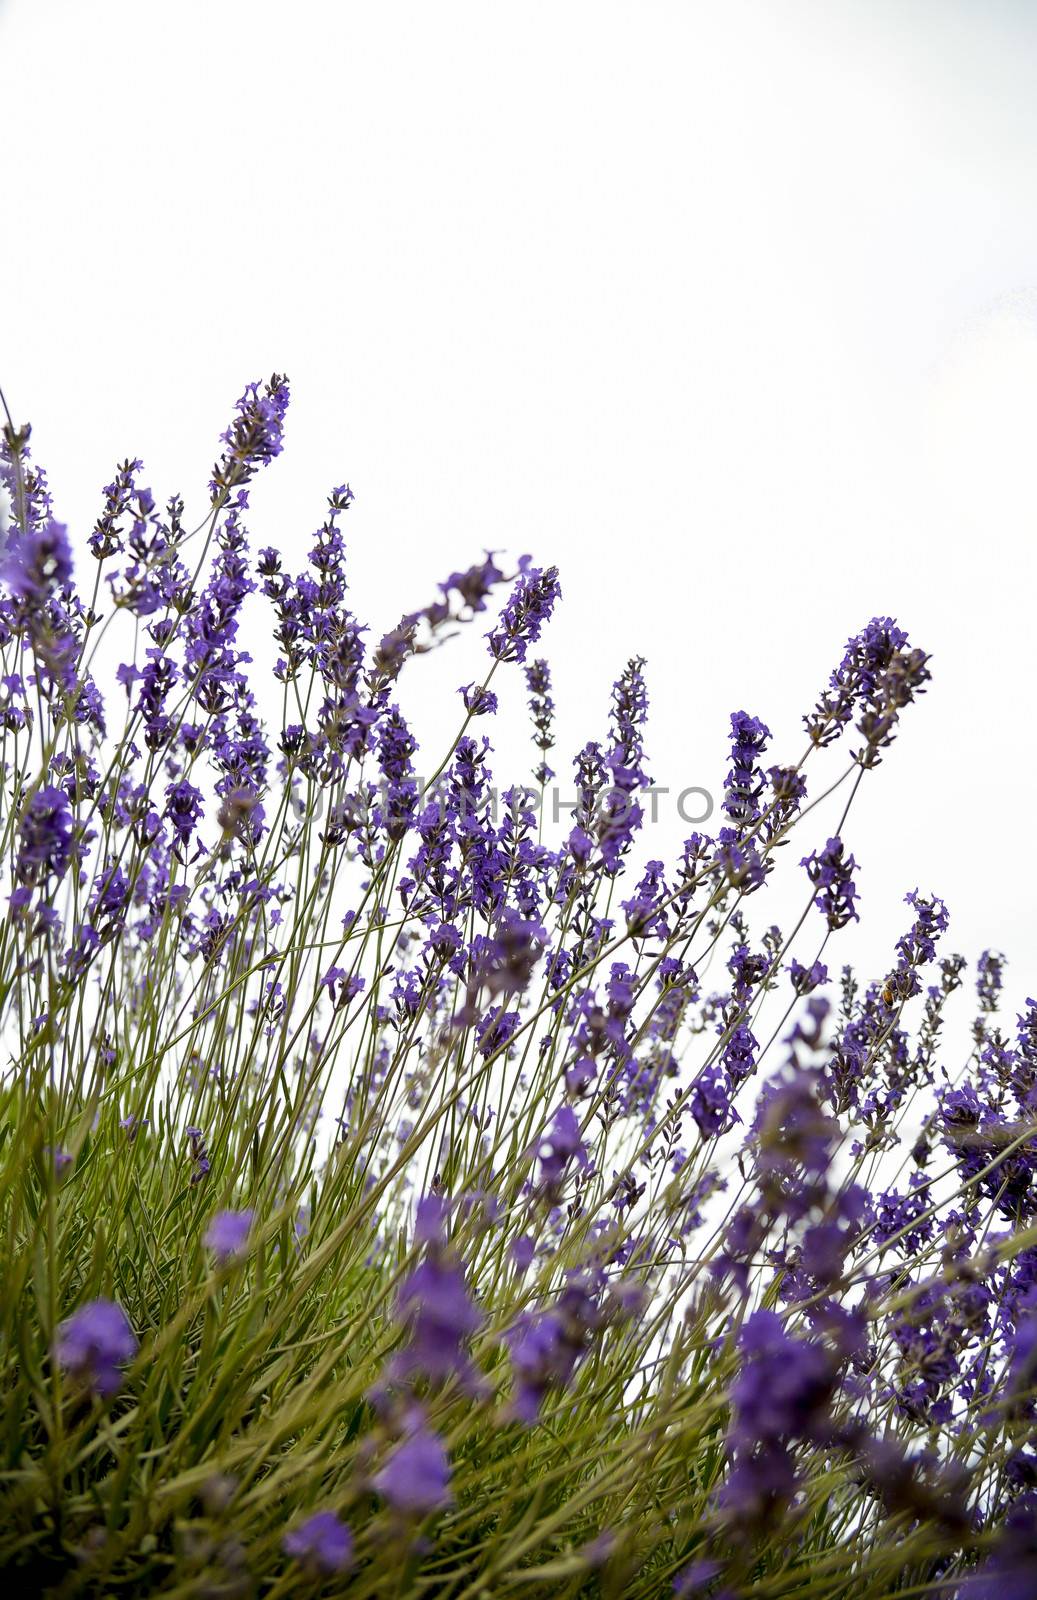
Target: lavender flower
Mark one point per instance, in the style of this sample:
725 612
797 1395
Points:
782 1393
342 986
878 676
45 837
478 701
95 1343
323 1543
416 1477
121 495
227 1233
806 979
472 586
199 1154
528 609
546 1346
561 1146
989 978
542 709
710 1102
831 872
745 782
619 814
255 434
540 1356
184 809
434 1304
37 562
1011 1571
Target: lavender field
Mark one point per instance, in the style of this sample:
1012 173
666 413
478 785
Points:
404 1194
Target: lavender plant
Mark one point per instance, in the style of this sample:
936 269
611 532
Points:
401 1198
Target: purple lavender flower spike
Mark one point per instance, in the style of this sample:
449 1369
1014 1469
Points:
199 1154
542 710
227 1233
525 614
434 1305
416 1477
184 808
745 781
879 674
38 562
95 1343
45 837
561 1145
255 435
831 872
323 1543
478 702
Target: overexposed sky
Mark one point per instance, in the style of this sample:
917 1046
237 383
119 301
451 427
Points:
728 310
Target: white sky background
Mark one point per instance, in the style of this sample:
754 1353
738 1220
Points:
728 310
